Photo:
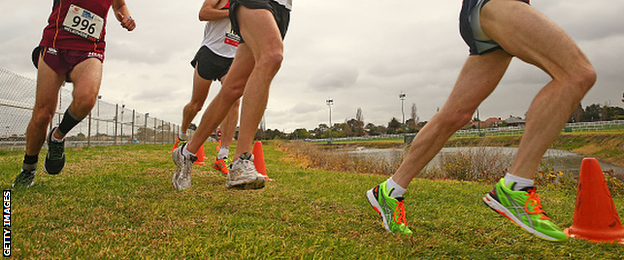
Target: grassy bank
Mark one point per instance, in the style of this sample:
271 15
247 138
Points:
608 147
118 202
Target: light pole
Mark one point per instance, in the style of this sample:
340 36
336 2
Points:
402 97
122 124
330 102
97 132
146 115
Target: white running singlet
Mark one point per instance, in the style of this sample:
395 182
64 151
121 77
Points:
220 39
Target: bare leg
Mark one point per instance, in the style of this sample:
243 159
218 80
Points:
231 91
263 37
228 126
524 32
48 85
86 77
200 92
477 79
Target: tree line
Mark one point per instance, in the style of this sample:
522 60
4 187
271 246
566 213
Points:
357 127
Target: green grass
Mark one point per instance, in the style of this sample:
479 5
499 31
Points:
118 202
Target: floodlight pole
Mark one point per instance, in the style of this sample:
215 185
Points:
330 102
402 97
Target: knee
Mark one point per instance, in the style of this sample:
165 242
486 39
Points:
194 106
42 116
455 120
83 104
272 60
582 79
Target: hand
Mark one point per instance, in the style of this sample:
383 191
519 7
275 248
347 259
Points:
126 21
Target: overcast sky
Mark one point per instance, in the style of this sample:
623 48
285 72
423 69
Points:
360 53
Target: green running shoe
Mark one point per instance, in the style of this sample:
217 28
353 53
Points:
524 209
391 210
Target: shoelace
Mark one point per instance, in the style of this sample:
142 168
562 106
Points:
534 201
399 213
56 151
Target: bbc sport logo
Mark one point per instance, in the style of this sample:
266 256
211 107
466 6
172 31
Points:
6 219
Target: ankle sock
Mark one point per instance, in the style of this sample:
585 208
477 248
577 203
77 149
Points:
186 152
521 183
395 189
223 152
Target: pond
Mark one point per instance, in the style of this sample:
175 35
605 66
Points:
560 160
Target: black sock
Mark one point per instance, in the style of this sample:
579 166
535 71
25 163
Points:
69 121
30 162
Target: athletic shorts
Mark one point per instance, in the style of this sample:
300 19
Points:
63 61
470 27
280 13
210 66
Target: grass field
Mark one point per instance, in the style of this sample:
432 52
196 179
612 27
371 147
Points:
117 202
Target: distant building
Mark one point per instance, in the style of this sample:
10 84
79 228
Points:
515 121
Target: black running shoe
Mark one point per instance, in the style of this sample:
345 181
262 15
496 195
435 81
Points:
55 160
24 179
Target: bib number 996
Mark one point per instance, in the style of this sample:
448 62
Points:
83 23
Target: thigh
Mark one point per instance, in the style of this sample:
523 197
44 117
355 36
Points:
528 34
478 78
241 68
48 85
259 29
201 87
87 77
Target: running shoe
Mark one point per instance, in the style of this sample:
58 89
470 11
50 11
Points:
182 177
25 179
55 160
180 142
524 209
391 210
243 174
222 165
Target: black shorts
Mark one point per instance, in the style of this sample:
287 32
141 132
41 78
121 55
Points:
470 28
210 66
280 13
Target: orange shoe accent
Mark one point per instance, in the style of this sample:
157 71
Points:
596 218
399 213
221 166
259 159
201 156
534 201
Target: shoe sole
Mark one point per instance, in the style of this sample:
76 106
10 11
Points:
258 183
375 204
496 206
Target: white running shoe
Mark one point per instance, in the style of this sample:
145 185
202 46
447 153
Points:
182 177
244 175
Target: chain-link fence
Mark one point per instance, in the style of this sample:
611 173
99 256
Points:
108 124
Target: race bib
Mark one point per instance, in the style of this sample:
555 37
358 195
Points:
83 23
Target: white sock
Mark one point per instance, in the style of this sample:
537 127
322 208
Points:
182 135
223 152
56 139
186 152
521 183
395 189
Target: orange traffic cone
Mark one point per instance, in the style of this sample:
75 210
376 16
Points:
259 159
201 155
595 217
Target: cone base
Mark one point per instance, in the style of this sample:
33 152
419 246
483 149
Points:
571 234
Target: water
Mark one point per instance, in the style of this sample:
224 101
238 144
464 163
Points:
560 160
